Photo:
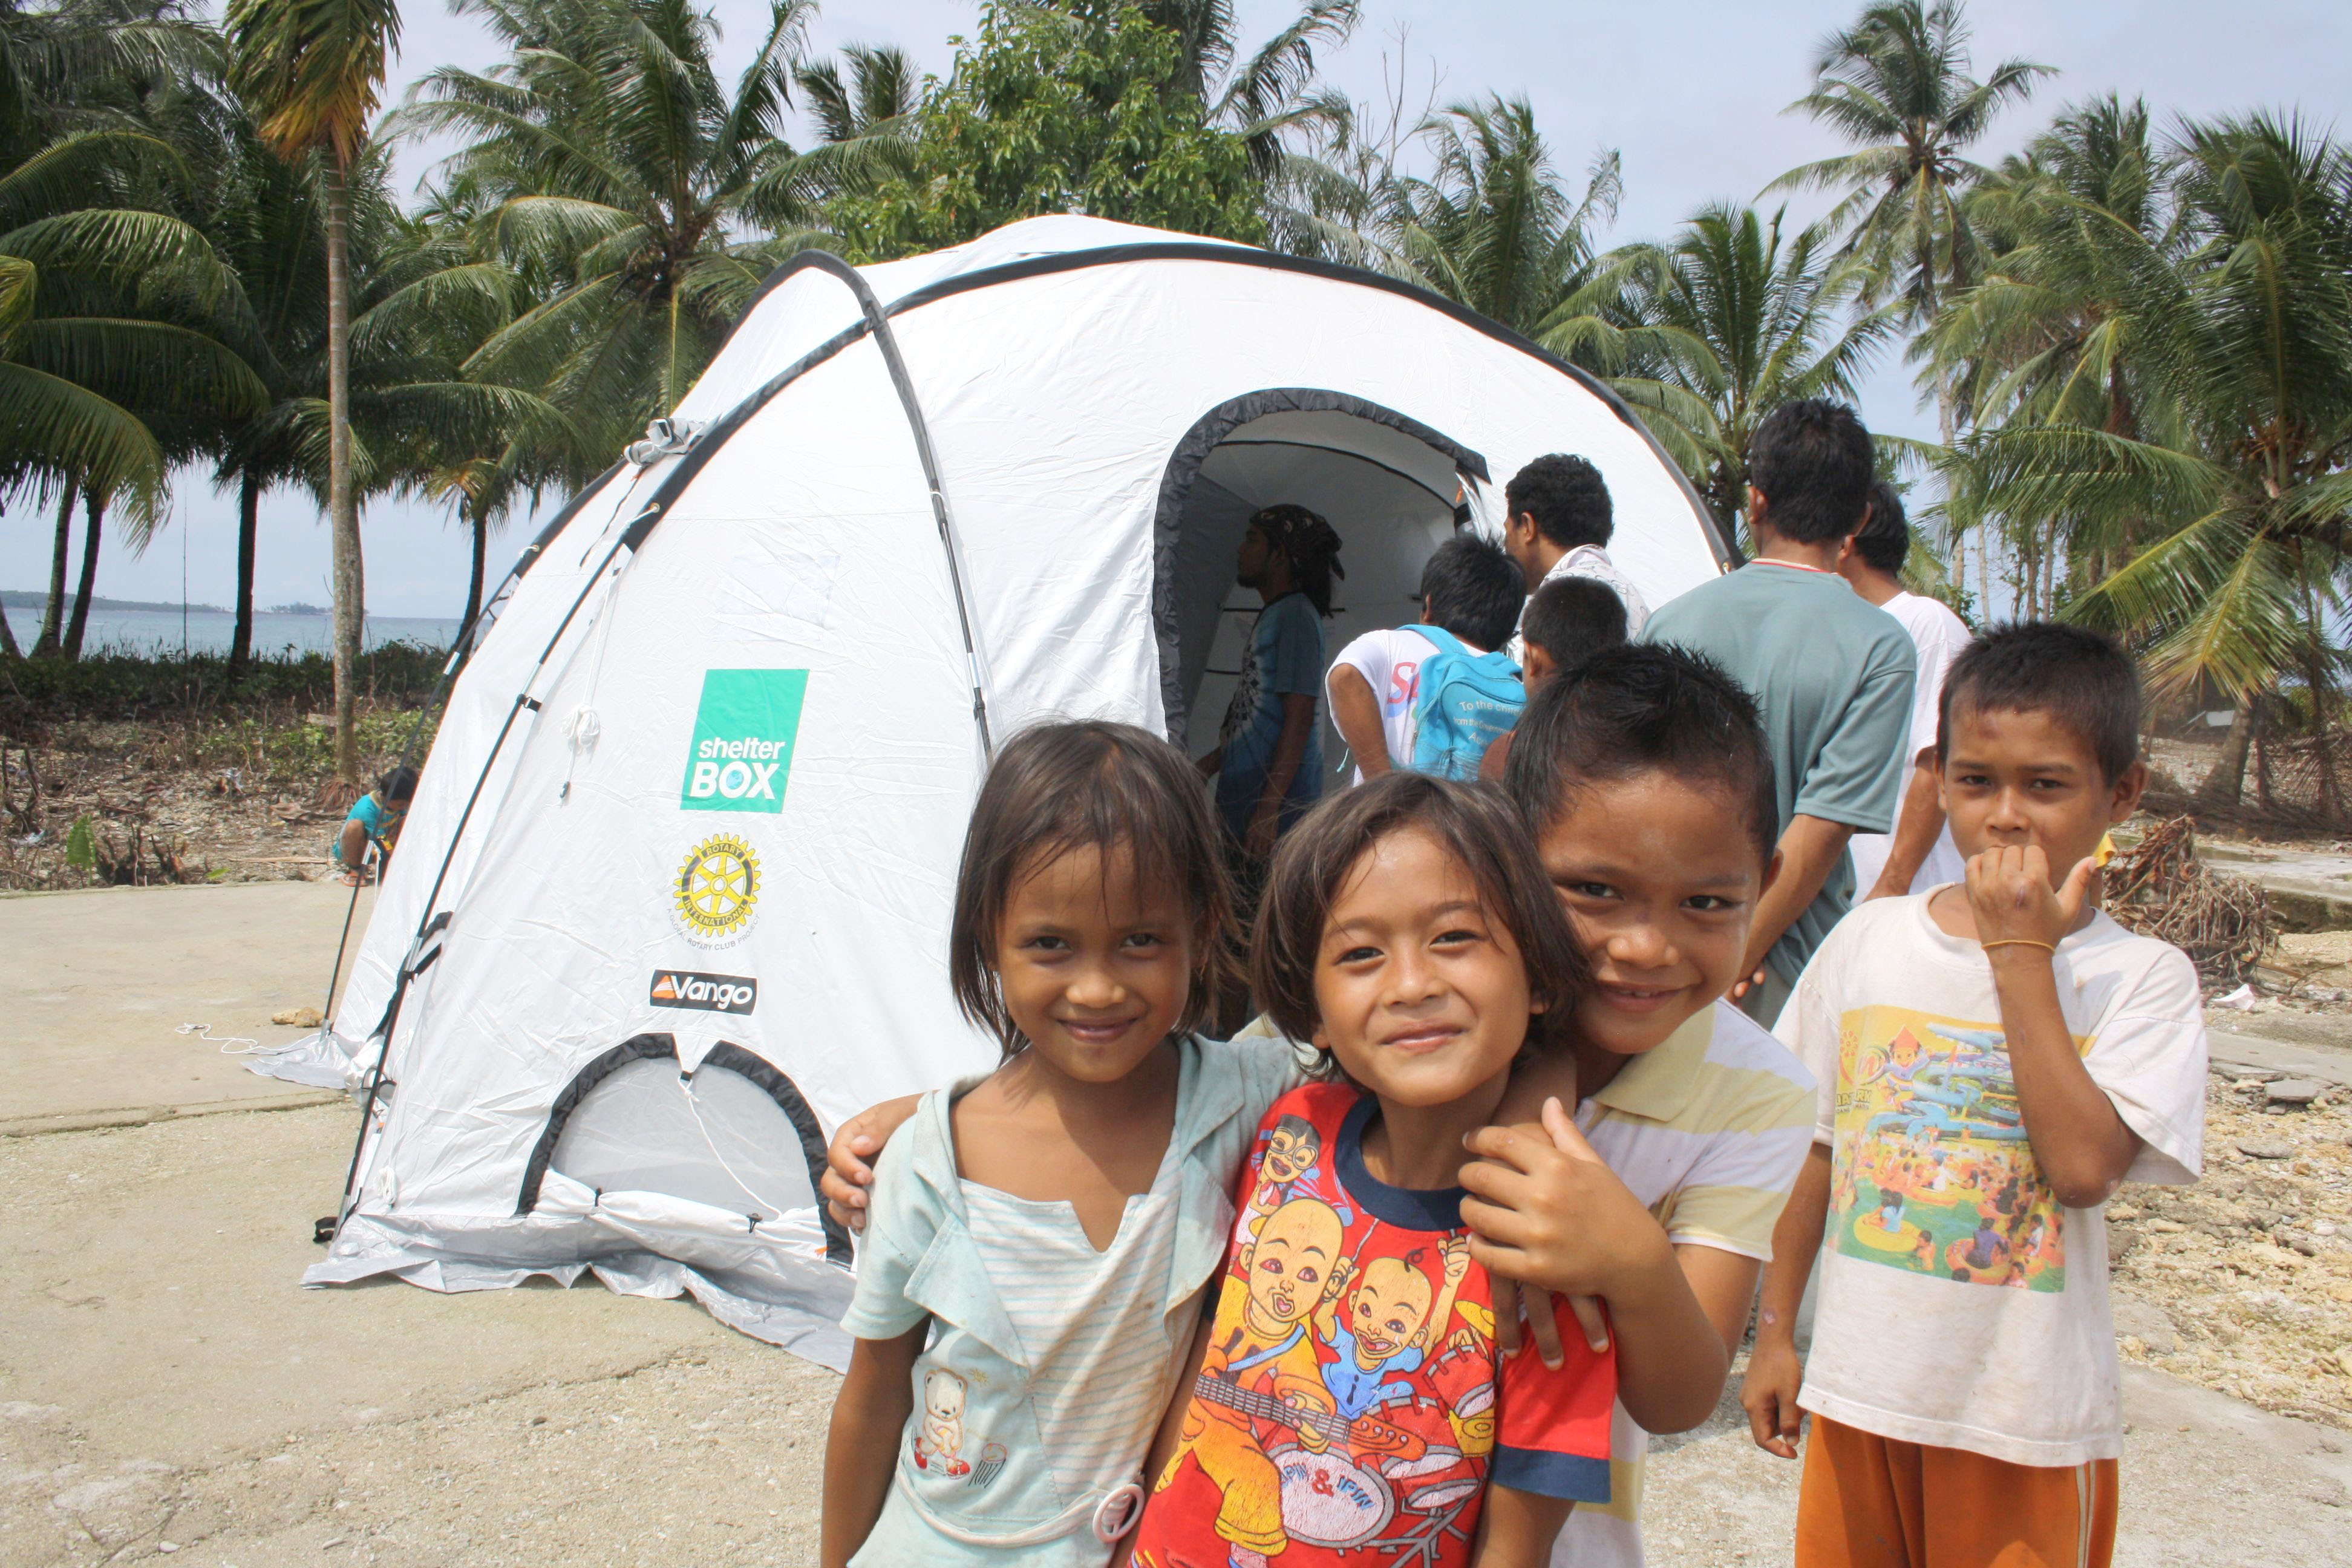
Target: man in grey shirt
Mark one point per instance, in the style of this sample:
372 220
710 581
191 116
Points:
1833 674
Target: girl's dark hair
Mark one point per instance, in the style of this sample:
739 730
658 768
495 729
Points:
398 783
1089 784
1476 826
1311 546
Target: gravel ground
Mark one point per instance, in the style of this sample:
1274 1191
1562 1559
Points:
2244 1282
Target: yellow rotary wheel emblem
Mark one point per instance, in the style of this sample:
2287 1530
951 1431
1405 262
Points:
718 889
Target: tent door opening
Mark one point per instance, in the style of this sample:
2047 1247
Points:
1391 488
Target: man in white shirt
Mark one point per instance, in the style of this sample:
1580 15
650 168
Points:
1469 588
1919 855
1558 525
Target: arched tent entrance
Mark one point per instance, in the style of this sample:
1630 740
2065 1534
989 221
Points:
704 779
1391 488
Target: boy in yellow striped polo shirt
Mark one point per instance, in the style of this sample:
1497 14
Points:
1645 775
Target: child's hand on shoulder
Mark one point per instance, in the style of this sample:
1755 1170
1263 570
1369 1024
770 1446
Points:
1548 1212
2011 896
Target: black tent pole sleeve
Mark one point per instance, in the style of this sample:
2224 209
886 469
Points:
878 321
522 702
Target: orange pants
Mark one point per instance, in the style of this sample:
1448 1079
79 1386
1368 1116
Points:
1876 1502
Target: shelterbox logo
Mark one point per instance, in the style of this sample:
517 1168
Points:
742 748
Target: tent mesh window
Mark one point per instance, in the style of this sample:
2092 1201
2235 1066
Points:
734 1134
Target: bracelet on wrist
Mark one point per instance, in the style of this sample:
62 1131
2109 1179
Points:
2048 947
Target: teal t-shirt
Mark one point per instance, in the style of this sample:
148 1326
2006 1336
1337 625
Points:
1286 660
1833 674
377 820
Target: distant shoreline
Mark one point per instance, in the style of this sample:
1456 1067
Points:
34 599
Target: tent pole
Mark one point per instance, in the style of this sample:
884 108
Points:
327 1012
878 321
523 700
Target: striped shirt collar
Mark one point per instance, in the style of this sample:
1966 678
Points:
1659 1084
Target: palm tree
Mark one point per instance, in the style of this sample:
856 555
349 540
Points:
101 286
1491 224
310 70
2238 475
2044 336
1896 84
882 90
445 437
619 169
1711 332
109 334
267 221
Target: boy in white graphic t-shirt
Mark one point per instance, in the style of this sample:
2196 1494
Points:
1995 1057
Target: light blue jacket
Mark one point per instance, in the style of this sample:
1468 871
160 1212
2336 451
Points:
996 1500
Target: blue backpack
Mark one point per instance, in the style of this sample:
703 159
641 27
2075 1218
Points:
1465 701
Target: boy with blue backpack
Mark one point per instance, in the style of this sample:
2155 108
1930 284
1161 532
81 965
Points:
1431 696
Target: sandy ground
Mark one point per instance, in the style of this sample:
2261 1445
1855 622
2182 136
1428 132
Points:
166 1388
97 981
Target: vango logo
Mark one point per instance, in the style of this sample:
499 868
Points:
742 752
704 993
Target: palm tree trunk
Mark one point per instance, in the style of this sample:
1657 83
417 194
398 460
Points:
481 552
94 508
342 506
53 614
249 526
8 637
2227 783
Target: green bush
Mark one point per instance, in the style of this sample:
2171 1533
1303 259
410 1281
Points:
126 686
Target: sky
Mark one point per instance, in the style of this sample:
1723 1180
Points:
1693 103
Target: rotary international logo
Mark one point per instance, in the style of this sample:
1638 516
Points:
716 892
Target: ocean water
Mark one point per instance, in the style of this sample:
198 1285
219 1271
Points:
208 631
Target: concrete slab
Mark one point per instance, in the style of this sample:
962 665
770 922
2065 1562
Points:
2309 892
97 979
162 1376
2255 1053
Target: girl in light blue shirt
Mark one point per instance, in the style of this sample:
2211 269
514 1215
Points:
1038 1239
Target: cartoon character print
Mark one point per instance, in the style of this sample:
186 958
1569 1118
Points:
1385 1331
1260 1358
1934 1173
1347 1400
938 1438
1288 1164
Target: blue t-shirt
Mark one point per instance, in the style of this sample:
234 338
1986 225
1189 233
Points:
1286 660
377 820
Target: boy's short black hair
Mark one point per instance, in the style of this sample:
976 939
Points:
1477 826
1641 708
1572 618
1057 787
397 784
1885 542
1811 459
2080 678
1567 496
1475 590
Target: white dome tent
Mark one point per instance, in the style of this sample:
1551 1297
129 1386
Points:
674 896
